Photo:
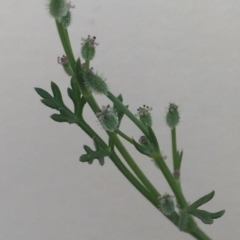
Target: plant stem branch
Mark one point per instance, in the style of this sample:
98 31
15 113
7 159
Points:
133 165
66 43
174 149
127 112
123 135
171 181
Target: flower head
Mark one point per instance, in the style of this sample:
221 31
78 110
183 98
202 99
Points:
166 204
108 118
63 60
172 117
144 115
59 8
66 65
88 47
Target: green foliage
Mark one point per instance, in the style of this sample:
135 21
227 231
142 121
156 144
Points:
119 112
79 73
90 155
152 138
76 97
144 149
180 155
84 80
202 201
205 216
56 102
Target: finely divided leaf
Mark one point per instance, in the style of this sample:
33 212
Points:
202 201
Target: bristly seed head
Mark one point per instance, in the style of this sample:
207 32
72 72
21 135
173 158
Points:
95 82
144 115
166 204
59 8
88 47
172 117
108 118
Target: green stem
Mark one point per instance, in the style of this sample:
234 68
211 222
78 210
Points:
199 234
127 112
87 65
174 218
68 40
171 181
174 149
118 163
92 103
88 130
65 44
133 165
133 179
123 135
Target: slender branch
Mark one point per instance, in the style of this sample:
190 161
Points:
133 165
127 112
65 44
171 181
199 234
68 40
123 135
174 149
133 179
113 156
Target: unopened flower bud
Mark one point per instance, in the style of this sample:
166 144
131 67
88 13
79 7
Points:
88 47
176 174
66 20
95 82
59 8
172 117
66 65
143 140
108 118
144 115
166 204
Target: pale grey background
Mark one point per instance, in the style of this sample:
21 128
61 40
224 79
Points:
154 52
